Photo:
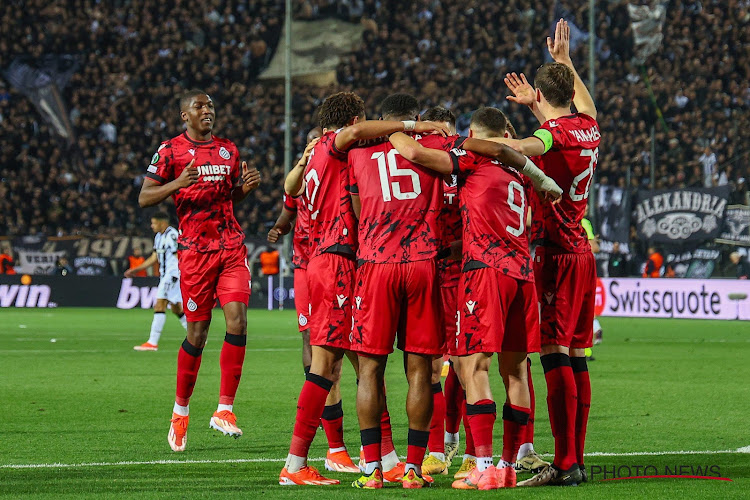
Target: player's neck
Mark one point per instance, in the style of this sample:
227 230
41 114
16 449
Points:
557 113
196 136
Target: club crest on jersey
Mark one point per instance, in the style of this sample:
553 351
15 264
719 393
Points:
470 306
224 153
191 305
341 299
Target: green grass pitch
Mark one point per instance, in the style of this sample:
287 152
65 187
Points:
667 393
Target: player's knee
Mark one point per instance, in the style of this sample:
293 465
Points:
237 325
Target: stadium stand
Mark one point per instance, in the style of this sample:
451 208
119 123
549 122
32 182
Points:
135 55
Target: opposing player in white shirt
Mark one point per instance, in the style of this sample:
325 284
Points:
165 251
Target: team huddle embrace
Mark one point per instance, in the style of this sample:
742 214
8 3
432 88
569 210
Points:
405 234
409 234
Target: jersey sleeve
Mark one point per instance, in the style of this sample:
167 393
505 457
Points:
551 134
161 169
352 185
289 203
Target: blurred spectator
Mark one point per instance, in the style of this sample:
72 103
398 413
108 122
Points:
6 263
135 260
742 268
63 267
654 263
617 267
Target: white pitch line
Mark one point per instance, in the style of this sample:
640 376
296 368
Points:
745 449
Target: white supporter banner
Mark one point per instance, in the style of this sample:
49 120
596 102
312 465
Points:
672 298
37 262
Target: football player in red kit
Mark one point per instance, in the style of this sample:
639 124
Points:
567 144
204 176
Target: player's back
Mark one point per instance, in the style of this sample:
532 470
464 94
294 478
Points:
493 208
400 203
165 246
333 226
571 162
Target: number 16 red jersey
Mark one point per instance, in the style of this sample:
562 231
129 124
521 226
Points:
573 148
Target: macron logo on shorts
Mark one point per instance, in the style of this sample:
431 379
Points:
359 302
549 297
341 299
191 305
470 306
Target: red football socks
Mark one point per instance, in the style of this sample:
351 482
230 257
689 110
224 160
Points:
515 419
417 444
312 400
231 359
188 364
481 416
470 450
371 444
386 435
454 402
562 403
583 386
436 443
333 425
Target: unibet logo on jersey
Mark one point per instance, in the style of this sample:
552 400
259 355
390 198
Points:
214 173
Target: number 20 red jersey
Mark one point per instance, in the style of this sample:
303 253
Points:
400 203
570 161
333 226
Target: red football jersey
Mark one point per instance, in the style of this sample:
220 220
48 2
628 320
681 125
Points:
333 226
205 210
400 203
450 230
493 212
571 162
300 243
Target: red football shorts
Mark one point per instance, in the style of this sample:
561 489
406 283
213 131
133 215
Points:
330 283
566 286
449 299
301 298
398 300
204 277
497 313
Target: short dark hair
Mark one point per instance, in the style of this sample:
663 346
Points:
160 216
511 129
492 120
439 114
188 95
400 107
339 109
556 82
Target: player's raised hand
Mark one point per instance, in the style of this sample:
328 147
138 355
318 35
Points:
523 92
429 127
250 177
559 47
189 175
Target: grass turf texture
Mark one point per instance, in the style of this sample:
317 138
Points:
658 385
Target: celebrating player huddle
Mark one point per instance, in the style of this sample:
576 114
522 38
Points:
407 234
378 231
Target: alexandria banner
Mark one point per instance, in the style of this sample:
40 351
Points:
673 298
679 216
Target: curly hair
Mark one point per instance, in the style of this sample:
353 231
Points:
556 82
339 109
399 107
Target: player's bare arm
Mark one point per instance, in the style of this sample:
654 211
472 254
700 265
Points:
152 193
249 181
530 146
282 226
144 265
559 49
372 129
294 184
523 93
434 159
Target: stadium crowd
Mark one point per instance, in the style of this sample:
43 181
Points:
135 57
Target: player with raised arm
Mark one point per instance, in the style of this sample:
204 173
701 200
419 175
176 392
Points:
165 253
497 298
204 176
333 245
564 266
295 211
396 294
